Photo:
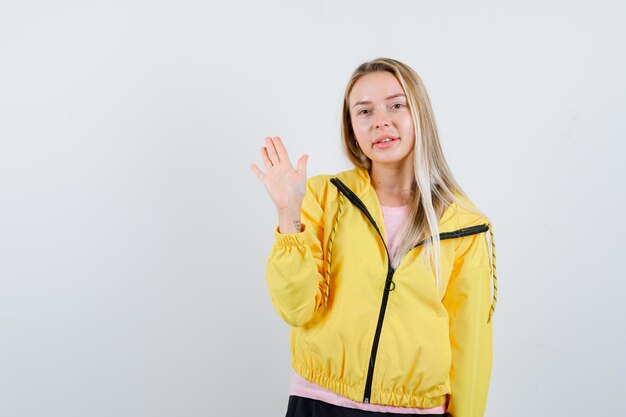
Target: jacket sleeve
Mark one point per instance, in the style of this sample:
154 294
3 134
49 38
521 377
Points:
468 302
295 266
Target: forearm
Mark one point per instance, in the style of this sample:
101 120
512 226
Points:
294 277
295 267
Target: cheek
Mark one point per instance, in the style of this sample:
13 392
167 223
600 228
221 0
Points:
359 127
407 126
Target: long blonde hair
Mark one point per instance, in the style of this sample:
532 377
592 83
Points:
434 185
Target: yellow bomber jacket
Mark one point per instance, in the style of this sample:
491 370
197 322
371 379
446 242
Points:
373 334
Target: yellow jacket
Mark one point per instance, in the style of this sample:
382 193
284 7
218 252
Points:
373 334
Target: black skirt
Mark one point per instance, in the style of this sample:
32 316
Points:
307 407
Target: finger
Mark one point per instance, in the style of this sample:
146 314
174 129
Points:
271 150
257 171
266 158
280 149
302 164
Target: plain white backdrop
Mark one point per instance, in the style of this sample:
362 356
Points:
134 236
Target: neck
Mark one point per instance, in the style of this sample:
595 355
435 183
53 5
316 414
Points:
393 183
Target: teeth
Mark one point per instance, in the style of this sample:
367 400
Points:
385 140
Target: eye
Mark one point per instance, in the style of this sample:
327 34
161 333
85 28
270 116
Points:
398 106
362 112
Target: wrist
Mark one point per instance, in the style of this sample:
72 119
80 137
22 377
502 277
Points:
289 223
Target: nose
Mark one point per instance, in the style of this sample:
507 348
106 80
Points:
381 121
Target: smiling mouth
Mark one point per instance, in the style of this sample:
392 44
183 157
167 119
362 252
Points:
386 141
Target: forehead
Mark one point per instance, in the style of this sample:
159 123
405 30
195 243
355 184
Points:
375 86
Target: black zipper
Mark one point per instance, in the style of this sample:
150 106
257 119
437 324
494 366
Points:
389 284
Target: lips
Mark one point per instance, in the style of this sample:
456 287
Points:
383 137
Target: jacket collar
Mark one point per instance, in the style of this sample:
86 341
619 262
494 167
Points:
454 217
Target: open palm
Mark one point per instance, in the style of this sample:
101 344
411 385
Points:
285 185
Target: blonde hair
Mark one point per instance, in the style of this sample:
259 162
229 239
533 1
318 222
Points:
434 186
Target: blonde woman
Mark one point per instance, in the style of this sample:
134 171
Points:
385 272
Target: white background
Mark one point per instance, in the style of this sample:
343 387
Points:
133 234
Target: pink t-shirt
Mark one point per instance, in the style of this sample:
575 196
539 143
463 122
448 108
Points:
393 219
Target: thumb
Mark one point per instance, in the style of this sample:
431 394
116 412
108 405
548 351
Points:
302 164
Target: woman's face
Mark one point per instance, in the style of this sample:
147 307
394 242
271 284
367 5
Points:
379 110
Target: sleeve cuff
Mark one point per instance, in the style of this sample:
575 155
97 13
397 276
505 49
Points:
290 239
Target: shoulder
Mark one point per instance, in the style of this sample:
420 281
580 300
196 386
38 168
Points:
320 184
319 192
473 240
318 181
465 213
317 186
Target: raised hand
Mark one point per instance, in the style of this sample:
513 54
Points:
285 185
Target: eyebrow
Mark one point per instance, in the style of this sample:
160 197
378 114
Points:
388 98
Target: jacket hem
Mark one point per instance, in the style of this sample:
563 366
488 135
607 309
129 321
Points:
355 392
